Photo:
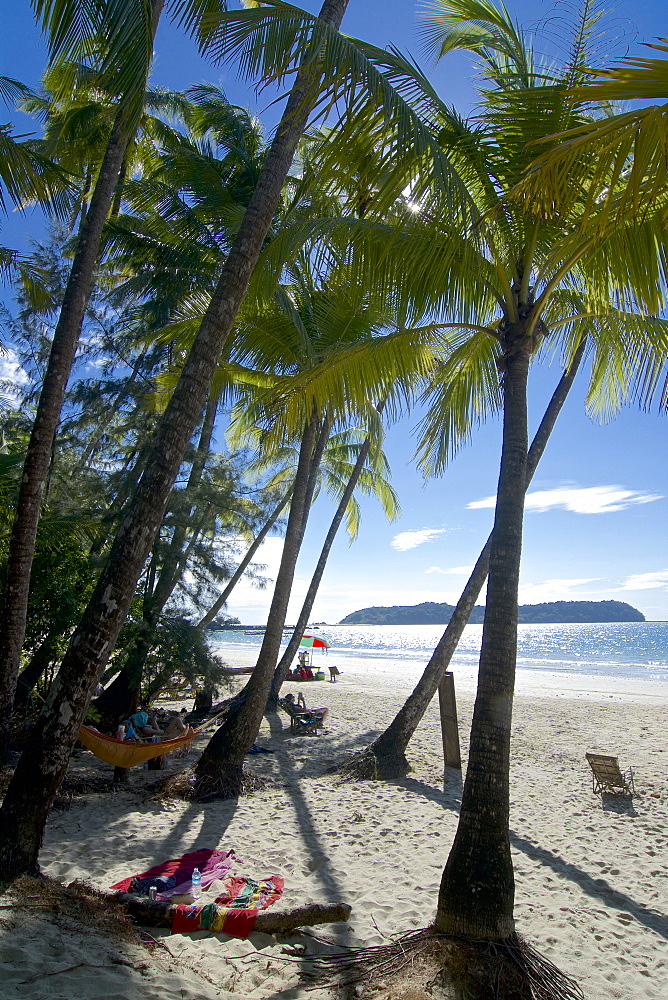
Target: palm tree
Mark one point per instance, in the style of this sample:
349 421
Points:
21 821
386 756
370 481
619 158
538 275
125 39
509 282
298 334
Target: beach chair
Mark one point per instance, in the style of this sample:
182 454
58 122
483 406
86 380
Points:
607 776
304 720
334 672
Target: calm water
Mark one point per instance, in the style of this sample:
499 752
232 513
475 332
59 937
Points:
633 649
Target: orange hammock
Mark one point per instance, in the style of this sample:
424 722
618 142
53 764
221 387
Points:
126 753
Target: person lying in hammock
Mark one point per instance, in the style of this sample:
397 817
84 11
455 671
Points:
140 728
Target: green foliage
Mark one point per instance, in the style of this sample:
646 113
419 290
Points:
180 652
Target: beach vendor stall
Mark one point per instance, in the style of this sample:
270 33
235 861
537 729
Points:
304 667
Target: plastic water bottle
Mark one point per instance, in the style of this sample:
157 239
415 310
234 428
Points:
196 884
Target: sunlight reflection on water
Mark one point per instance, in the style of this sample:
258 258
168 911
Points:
627 649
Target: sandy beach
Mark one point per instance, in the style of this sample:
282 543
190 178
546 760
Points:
591 874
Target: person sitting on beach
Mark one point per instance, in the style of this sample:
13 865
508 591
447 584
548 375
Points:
299 708
178 727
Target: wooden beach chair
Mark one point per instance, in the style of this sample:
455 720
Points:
334 672
607 776
304 720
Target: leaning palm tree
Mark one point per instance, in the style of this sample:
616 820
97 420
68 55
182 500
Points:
121 36
329 67
385 757
308 328
369 479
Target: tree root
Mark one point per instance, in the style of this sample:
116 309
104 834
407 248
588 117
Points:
371 765
207 786
476 970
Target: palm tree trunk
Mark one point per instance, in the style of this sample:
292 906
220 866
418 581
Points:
220 769
477 890
43 764
38 455
172 564
241 568
281 671
386 757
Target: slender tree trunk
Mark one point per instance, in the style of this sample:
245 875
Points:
477 890
172 564
38 455
281 671
32 672
220 768
241 568
43 764
386 757
120 698
109 415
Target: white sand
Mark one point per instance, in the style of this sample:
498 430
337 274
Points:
591 876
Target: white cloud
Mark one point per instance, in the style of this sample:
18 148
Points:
553 590
646 581
11 371
455 571
411 539
586 500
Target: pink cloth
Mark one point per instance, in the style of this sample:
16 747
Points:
212 865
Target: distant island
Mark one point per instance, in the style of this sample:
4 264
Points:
558 612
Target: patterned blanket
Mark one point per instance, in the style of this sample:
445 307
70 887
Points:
234 911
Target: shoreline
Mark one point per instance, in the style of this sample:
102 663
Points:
378 672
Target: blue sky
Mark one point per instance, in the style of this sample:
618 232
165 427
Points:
595 526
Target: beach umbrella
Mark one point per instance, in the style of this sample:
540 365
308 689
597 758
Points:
314 642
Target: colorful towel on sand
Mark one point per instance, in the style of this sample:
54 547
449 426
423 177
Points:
234 911
173 877
242 893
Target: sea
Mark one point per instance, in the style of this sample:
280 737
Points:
551 655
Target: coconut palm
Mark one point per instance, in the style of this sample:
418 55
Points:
386 756
537 276
328 66
620 158
285 344
370 480
121 35
510 283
